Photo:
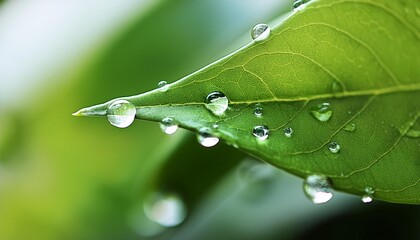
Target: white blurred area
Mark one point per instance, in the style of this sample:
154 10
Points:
41 38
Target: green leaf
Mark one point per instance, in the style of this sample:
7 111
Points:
344 71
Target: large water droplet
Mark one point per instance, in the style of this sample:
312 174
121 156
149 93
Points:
165 209
318 189
260 32
163 86
322 112
368 196
168 125
288 132
217 103
413 133
258 111
334 147
205 138
121 113
260 132
350 127
299 4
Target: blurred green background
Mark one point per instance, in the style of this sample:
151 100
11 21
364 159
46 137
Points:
63 177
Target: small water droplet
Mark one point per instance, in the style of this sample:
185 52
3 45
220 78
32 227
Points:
163 86
258 111
288 132
205 138
318 189
350 127
260 132
166 209
260 32
217 103
299 4
168 125
336 87
215 126
322 112
334 147
368 196
121 113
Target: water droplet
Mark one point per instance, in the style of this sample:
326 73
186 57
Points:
413 133
299 4
337 87
260 132
205 138
163 86
215 126
121 113
288 132
350 127
260 32
318 189
322 112
368 196
217 103
258 111
334 147
168 125
165 209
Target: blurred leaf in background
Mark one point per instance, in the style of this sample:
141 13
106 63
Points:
67 178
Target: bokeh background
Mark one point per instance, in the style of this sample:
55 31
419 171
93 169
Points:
63 177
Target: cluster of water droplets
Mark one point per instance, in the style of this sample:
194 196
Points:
318 189
121 113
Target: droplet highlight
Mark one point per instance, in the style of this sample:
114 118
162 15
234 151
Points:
168 125
217 103
350 127
260 132
260 32
205 138
288 132
163 86
334 147
368 196
322 112
166 209
318 189
121 113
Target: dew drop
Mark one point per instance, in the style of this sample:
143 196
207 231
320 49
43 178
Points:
334 147
299 4
322 112
205 138
163 86
288 132
350 127
168 125
258 111
318 189
260 32
166 209
413 133
121 113
260 132
337 87
217 103
368 196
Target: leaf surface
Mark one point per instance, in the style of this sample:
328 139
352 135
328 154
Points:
359 56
